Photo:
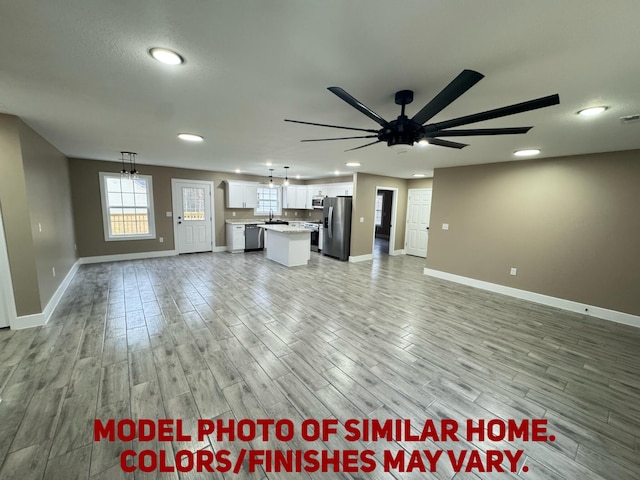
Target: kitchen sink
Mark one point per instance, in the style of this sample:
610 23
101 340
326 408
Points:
276 222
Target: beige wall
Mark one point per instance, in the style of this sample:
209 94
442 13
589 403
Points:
569 225
47 180
364 201
34 189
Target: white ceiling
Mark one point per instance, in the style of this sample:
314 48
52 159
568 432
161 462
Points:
78 72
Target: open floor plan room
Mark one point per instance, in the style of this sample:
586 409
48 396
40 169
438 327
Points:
188 337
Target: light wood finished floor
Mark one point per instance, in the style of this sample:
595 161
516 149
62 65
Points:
222 336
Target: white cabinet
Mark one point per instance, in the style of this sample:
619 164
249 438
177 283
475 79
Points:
242 194
336 189
295 196
235 238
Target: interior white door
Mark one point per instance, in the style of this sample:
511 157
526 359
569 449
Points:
193 220
418 213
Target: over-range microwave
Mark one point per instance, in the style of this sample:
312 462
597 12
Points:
317 201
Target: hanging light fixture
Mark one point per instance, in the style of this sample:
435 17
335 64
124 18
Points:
271 185
286 178
129 157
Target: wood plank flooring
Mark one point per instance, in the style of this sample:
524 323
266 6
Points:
237 336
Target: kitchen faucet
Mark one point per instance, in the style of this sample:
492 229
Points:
270 215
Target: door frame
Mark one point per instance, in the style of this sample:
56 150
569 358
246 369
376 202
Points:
175 206
394 211
6 285
406 231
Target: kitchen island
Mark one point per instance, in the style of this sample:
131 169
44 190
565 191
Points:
287 245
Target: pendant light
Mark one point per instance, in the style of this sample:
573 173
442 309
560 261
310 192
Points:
271 185
286 178
129 157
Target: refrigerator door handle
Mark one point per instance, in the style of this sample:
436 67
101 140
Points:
330 232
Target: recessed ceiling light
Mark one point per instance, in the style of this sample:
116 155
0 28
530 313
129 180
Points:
269 163
166 56
423 143
297 177
352 164
591 111
190 137
420 175
237 170
337 172
527 153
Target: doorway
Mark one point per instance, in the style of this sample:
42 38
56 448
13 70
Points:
384 224
418 215
193 215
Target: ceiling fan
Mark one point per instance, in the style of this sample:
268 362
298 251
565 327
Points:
407 131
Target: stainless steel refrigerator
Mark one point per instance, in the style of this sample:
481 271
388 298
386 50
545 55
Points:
336 240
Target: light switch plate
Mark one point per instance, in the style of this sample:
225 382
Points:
514 271
169 214
445 226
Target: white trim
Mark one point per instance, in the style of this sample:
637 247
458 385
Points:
361 258
175 207
398 252
57 296
28 321
577 307
126 256
219 249
106 225
6 285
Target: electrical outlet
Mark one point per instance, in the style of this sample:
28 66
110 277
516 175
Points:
309 213
286 213
295 214
445 226
514 271
233 214
361 219
161 239
53 271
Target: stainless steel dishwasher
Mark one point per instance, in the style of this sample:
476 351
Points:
253 237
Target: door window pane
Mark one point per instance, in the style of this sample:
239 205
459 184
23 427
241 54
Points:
193 199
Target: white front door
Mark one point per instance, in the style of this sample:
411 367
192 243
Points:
418 213
192 215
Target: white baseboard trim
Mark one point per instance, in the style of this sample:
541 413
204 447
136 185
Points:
361 258
28 321
127 256
219 249
398 252
569 305
57 296
39 319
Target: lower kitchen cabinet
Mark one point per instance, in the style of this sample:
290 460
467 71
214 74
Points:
235 238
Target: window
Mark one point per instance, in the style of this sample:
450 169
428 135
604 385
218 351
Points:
127 207
379 201
269 200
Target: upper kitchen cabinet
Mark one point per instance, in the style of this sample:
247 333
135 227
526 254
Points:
295 196
242 194
337 189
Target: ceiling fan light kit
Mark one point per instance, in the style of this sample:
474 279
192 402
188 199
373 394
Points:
405 131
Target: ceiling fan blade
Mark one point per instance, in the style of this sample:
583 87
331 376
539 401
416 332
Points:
500 112
481 131
333 126
463 82
340 138
358 105
362 146
446 143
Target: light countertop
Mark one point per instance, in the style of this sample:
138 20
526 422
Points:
243 221
286 228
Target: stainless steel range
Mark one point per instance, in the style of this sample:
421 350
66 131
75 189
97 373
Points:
316 234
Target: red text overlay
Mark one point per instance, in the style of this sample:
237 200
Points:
390 445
